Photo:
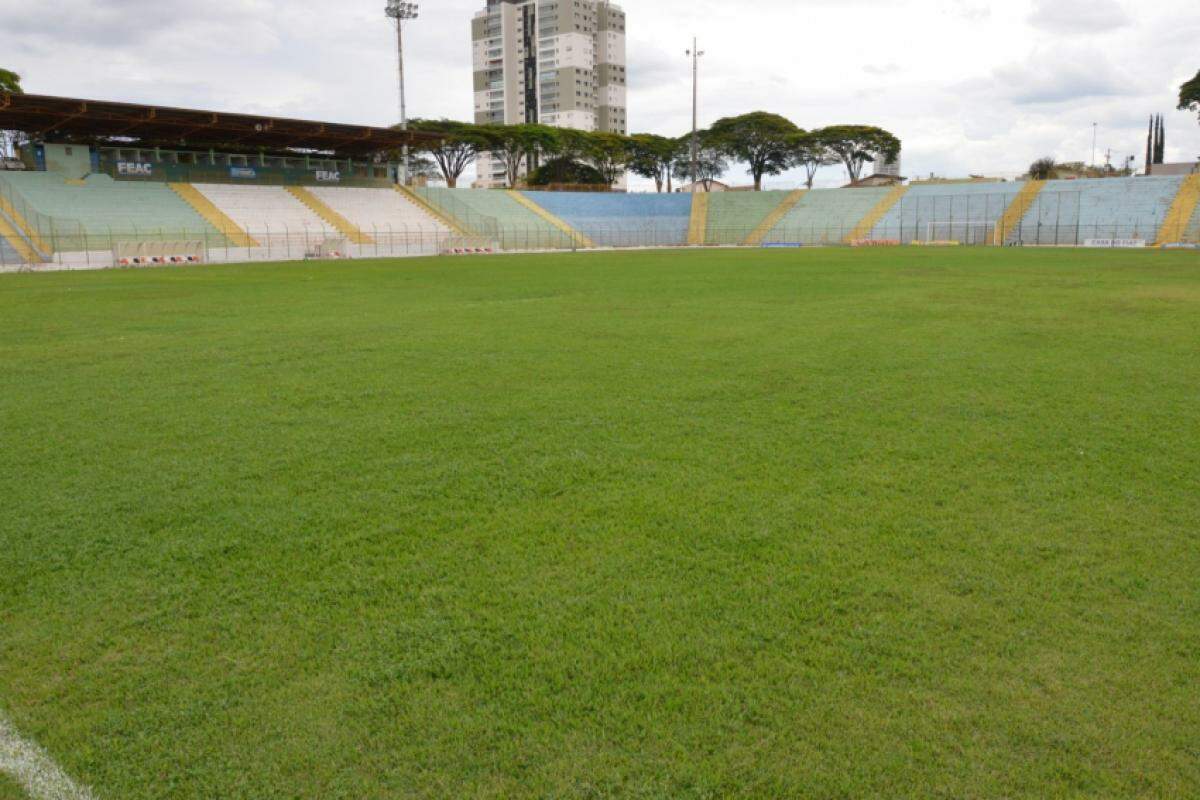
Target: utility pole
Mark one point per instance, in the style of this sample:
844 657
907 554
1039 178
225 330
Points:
401 11
695 53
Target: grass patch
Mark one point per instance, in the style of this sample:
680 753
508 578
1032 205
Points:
821 524
10 790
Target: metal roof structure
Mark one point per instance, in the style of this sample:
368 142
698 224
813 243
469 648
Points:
99 122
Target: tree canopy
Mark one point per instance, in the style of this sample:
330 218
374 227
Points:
1043 169
1189 95
760 140
651 156
710 165
855 145
515 145
460 145
811 152
609 153
566 171
767 143
10 81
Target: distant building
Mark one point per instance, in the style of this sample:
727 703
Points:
553 62
872 181
1184 168
884 166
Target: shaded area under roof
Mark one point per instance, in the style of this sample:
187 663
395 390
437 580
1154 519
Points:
98 122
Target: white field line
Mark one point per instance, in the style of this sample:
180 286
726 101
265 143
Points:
31 767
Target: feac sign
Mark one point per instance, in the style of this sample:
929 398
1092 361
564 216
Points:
134 168
329 177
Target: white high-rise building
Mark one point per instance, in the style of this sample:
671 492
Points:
553 62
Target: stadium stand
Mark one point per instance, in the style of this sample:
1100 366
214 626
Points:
379 211
8 254
622 220
46 217
575 237
732 216
89 214
826 216
495 214
265 212
1070 212
1192 231
962 212
1183 215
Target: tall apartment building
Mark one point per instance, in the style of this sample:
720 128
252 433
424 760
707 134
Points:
554 62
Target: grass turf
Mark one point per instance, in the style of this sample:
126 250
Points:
815 524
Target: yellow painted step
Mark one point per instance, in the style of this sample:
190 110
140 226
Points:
215 216
578 238
1176 222
30 233
1010 223
759 234
698 226
322 210
867 224
432 210
10 235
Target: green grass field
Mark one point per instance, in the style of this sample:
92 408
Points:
813 524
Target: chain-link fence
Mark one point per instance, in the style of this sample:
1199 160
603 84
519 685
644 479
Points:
977 220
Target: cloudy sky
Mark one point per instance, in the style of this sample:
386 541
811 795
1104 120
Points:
970 86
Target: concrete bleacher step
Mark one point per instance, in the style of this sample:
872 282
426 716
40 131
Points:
864 226
336 220
698 225
1010 224
434 211
213 215
579 239
621 220
24 231
759 234
1184 207
17 243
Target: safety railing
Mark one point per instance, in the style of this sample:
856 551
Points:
1054 222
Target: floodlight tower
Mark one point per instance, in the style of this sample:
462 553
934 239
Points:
695 54
400 11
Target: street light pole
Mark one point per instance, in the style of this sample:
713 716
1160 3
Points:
695 53
400 11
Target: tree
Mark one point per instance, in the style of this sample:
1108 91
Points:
855 145
1189 95
609 153
810 150
10 82
760 140
652 156
422 166
458 147
710 165
566 171
515 145
1044 169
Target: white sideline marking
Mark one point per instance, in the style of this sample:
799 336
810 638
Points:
34 769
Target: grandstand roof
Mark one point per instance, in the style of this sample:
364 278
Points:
71 119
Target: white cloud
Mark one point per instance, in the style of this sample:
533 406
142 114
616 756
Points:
1078 16
970 86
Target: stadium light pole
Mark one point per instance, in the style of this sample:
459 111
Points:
1095 128
695 54
400 11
